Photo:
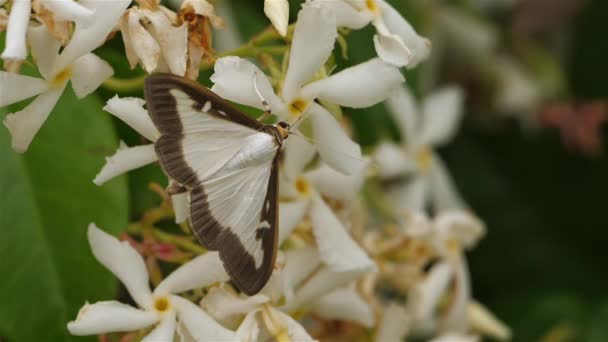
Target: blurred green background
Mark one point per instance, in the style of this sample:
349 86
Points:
541 267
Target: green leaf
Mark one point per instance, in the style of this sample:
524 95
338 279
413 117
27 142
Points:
49 199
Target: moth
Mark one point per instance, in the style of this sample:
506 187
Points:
228 164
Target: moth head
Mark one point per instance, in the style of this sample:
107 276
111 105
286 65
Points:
283 129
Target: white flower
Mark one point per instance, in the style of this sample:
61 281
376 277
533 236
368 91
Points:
130 110
301 195
454 337
394 325
484 322
278 13
75 63
161 307
449 234
422 129
360 86
301 282
396 41
153 39
19 21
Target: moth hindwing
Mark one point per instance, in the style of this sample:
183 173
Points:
228 163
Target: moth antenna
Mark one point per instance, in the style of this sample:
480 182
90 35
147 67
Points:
268 111
363 160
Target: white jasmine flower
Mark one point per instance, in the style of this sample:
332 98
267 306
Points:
19 21
484 322
450 234
153 39
313 41
263 315
433 125
75 63
394 325
453 337
131 112
278 13
160 307
396 41
301 195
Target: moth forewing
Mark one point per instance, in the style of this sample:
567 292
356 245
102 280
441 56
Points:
228 162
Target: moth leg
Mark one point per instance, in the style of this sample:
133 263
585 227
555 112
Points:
174 188
268 111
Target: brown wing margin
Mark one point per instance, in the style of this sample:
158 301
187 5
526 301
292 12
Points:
162 108
239 264
161 104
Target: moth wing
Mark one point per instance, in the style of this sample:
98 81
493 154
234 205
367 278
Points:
199 130
236 214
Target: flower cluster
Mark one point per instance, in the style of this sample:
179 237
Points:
342 255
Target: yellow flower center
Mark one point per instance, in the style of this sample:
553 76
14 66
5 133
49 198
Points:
61 77
302 186
424 159
372 6
297 107
162 304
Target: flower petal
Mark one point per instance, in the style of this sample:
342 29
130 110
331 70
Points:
420 47
201 271
15 87
198 323
139 44
298 153
250 328
164 331
16 30
392 161
336 185
124 262
181 207
412 195
86 38
124 160
403 109
337 249
347 15
460 225
110 316
345 304
394 325
88 73
457 318
442 112
69 10
173 41
391 49
313 40
344 88
131 111
455 337
25 124
426 294
295 330
483 321
290 214
299 263
44 48
322 282
233 80
222 304
278 13
443 191
334 146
